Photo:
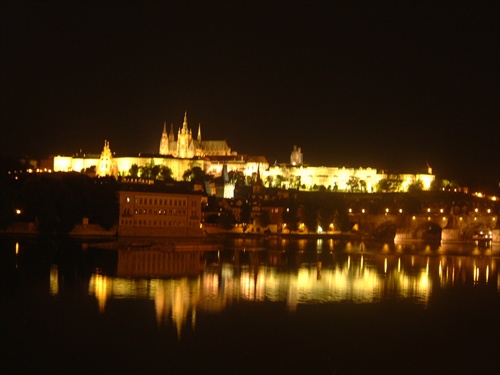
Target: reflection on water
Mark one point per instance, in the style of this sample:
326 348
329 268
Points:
153 311
321 275
158 263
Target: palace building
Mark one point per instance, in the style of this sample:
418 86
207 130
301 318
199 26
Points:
183 152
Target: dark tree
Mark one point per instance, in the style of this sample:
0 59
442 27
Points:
227 219
290 215
263 220
134 171
105 202
155 171
353 184
245 215
311 213
195 174
165 174
237 178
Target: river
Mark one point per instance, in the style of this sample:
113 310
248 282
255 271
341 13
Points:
258 306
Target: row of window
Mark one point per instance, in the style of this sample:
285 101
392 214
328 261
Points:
162 261
159 223
151 211
162 201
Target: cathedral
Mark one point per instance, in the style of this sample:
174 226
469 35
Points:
184 152
187 147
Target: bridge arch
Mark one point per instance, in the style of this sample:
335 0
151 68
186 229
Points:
467 233
428 231
385 231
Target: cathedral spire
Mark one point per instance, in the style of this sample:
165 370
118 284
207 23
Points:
185 123
164 140
199 132
171 136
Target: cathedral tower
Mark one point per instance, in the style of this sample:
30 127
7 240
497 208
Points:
164 146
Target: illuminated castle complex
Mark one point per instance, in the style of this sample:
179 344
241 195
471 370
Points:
188 147
216 158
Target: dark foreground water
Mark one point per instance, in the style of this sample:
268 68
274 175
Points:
257 307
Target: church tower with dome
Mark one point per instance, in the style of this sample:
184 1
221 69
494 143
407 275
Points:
107 165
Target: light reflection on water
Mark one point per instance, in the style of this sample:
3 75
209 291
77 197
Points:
356 275
251 295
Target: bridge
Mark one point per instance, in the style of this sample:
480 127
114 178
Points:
431 227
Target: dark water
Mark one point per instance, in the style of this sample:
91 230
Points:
257 307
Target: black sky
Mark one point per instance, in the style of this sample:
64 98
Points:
379 84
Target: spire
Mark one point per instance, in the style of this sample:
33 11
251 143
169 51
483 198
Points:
185 124
199 132
164 141
172 134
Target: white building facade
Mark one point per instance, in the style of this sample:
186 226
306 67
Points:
214 157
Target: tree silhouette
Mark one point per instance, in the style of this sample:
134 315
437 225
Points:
134 171
264 219
227 219
195 174
353 184
290 215
165 174
311 213
245 215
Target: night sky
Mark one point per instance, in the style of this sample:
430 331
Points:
388 85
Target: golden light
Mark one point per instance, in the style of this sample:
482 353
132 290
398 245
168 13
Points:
476 210
428 210
387 210
363 211
54 280
18 211
400 210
